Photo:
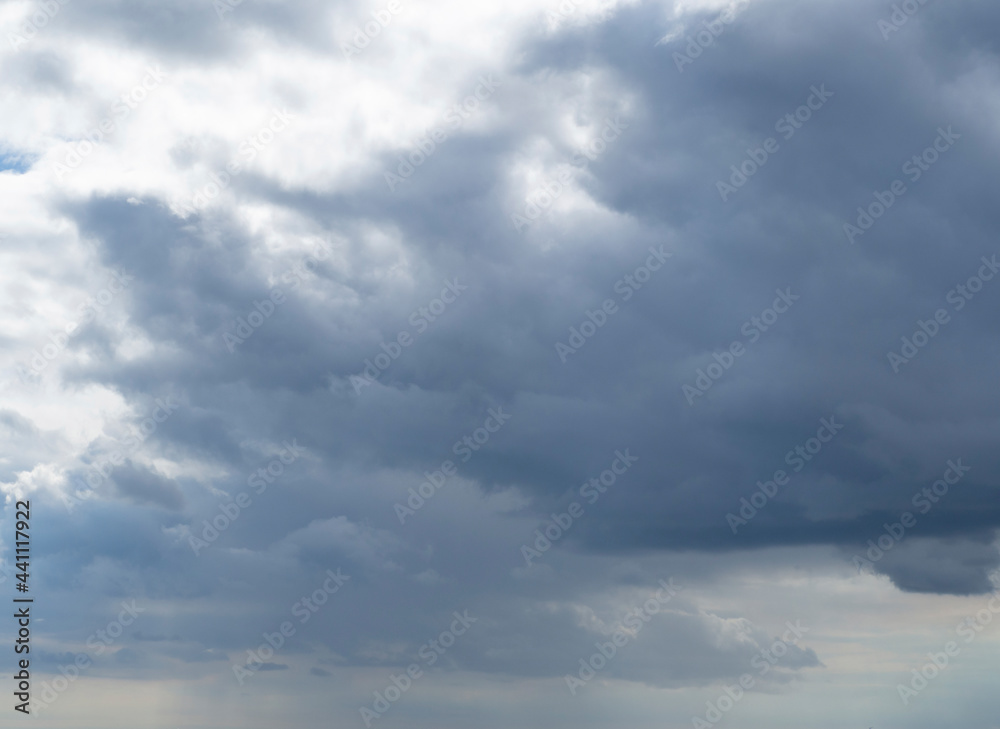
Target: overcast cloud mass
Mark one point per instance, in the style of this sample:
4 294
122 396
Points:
440 365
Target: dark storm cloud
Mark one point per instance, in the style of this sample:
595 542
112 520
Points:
782 231
495 346
145 486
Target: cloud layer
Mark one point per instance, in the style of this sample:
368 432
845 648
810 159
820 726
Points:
724 270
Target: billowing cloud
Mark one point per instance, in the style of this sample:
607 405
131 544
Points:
356 346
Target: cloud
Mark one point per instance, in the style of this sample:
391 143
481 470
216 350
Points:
719 366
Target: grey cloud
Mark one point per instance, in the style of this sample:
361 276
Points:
495 346
146 486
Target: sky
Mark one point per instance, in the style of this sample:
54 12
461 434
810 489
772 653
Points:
603 363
